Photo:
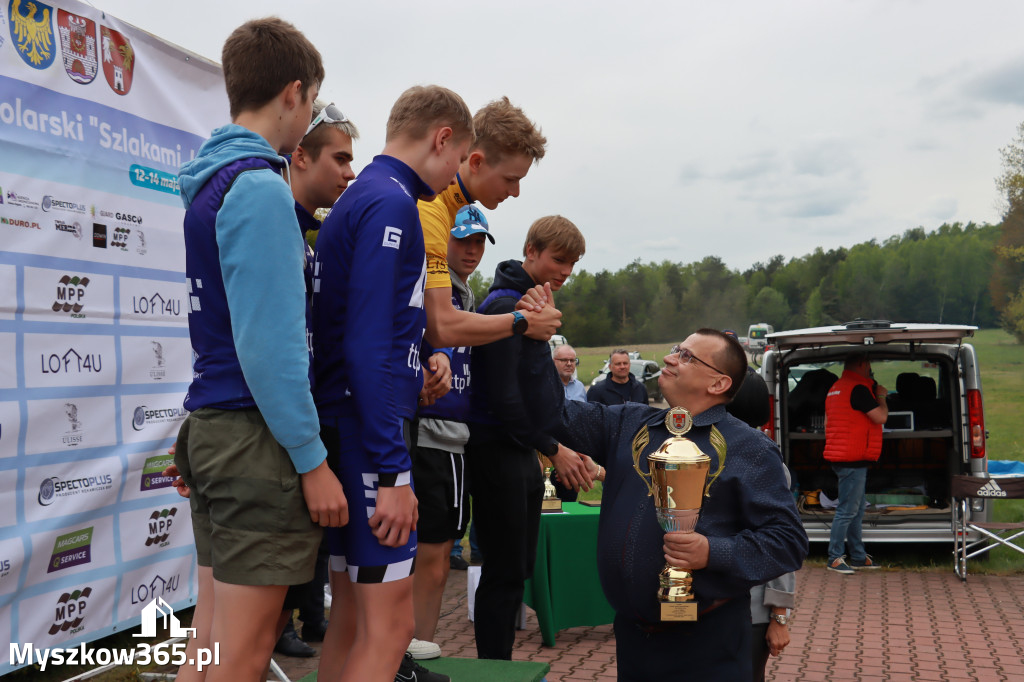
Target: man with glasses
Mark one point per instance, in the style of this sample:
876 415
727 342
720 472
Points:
620 386
748 532
566 363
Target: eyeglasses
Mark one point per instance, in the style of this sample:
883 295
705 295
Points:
686 356
329 114
571 361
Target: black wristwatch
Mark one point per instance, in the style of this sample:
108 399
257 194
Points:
551 450
519 323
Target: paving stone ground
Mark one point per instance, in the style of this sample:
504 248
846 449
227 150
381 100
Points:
888 625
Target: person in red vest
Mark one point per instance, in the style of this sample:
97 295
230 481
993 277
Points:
855 410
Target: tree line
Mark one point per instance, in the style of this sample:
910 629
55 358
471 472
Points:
941 276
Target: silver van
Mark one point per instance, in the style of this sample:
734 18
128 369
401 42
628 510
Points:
936 426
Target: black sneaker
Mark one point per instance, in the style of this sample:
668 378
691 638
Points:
411 671
289 644
457 563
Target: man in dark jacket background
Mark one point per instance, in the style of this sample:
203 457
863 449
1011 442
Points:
620 386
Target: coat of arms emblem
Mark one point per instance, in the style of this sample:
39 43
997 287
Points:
78 46
32 32
118 60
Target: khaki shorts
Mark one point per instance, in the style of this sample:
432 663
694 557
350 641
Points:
249 516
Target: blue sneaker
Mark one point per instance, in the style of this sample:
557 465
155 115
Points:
839 565
867 564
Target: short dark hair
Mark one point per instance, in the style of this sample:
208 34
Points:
618 351
855 359
261 57
732 359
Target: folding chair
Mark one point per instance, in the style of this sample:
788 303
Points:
974 538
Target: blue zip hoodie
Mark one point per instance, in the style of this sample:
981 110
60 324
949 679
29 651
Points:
244 261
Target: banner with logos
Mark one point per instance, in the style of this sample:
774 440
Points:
96 117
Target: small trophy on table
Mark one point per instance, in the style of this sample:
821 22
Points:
678 471
551 502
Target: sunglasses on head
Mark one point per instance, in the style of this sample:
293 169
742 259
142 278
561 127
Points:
686 356
329 114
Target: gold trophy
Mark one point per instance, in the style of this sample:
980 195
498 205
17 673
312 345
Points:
678 471
551 502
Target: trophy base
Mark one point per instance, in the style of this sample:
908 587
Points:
679 611
549 506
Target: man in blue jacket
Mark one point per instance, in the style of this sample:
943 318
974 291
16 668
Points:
748 532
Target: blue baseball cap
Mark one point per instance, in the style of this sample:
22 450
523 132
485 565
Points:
470 220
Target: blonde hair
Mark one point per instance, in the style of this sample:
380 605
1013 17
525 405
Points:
424 107
502 129
558 233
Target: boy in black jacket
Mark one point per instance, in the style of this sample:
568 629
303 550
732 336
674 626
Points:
507 427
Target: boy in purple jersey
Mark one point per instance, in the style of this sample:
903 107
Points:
368 325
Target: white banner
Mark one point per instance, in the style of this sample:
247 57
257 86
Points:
96 117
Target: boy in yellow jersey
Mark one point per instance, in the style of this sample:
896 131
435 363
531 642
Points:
507 144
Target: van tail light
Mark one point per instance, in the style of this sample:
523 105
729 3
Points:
976 422
769 426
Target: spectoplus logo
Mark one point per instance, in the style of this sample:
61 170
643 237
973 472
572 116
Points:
51 203
99 235
71 362
71 295
74 228
5 568
152 473
71 549
160 522
18 222
145 416
52 488
70 611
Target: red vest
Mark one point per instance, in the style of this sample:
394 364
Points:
849 435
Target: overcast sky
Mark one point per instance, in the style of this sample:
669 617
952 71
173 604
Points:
683 129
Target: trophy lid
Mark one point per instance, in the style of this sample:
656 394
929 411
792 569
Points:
680 452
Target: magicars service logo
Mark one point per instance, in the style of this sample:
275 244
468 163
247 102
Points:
160 523
74 433
53 487
70 611
78 46
74 228
50 203
71 549
31 32
118 60
146 416
71 295
152 473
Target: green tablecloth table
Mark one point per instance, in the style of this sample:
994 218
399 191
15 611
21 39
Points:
565 591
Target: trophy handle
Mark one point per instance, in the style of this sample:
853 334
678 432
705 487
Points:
639 443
